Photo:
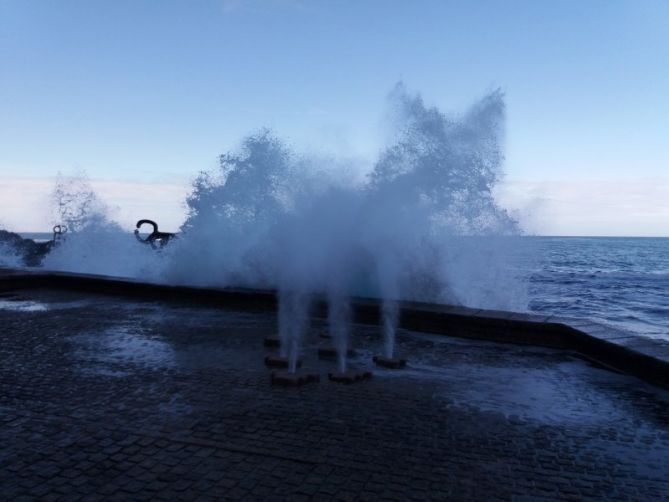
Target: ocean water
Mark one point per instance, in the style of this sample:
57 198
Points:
618 281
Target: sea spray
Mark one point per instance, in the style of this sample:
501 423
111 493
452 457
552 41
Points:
339 322
10 256
388 272
94 243
389 313
423 226
75 203
293 319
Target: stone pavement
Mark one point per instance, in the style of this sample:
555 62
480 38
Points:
110 399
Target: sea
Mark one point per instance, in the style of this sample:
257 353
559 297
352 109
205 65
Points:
618 281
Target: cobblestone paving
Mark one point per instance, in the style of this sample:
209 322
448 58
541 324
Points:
108 399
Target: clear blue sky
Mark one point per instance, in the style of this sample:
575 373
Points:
139 90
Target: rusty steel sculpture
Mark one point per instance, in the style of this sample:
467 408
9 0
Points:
155 239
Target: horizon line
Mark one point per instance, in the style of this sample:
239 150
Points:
562 236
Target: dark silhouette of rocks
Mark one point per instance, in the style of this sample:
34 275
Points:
30 252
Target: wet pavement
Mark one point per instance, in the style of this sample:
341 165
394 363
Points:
111 399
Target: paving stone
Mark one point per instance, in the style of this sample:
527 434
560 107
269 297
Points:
112 399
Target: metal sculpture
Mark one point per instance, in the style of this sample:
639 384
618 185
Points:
155 239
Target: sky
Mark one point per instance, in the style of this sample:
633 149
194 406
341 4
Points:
144 94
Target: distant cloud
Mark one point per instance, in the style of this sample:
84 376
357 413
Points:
26 202
597 207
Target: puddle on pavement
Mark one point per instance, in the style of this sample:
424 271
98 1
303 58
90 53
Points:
126 343
22 306
558 395
17 304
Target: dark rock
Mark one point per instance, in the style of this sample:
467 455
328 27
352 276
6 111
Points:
30 252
